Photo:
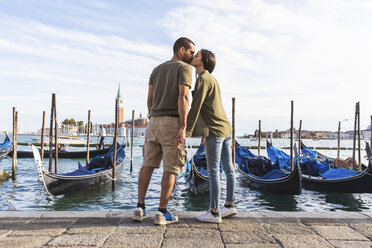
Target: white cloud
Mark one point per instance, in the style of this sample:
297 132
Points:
317 53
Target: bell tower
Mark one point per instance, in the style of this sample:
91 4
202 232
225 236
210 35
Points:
121 106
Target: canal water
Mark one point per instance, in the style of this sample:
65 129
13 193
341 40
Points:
27 192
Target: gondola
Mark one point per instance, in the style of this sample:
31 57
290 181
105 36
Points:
98 171
317 175
64 154
272 179
5 147
197 180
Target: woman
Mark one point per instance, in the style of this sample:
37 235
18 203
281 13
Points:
208 114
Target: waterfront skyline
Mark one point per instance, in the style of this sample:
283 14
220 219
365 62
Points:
268 53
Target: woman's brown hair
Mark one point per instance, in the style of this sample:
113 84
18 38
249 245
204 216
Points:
208 59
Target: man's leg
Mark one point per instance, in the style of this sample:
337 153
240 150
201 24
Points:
144 179
167 184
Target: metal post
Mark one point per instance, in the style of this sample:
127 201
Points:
88 137
233 130
42 137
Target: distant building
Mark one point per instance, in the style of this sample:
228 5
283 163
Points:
140 126
120 106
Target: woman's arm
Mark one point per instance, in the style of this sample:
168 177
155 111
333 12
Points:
198 97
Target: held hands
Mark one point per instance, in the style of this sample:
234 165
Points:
181 136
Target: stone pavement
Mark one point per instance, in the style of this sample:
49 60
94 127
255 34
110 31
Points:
116 229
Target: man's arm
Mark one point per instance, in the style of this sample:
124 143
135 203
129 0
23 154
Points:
183 105
149 98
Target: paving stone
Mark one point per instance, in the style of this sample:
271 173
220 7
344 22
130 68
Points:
196 242
364 229
191 233
75 214
338 233
49 227
302 241
94 225
350 244
337 215
134 240
192 223
280 220
247 236
85 239
285 228
238 225
24 241
253 245
322 222
140 228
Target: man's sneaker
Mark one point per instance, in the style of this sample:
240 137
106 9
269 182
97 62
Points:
209 217
163 219
228 211
139 214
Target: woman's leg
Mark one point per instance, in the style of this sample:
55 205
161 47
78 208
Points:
228 167
213 147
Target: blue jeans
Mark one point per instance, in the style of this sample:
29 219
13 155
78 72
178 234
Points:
219 149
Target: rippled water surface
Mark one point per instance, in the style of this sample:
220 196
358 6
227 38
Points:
27 193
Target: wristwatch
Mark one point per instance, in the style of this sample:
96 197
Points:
148 115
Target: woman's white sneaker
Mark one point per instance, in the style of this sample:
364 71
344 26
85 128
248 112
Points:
209 217
228 211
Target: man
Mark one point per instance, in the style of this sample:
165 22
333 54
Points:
167 103
102 134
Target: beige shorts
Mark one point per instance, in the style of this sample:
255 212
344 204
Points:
160 144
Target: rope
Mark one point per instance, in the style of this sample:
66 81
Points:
110 177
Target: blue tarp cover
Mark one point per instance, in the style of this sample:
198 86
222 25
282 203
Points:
241 152
274 174
339 173
279 158
6 143
309 153
103 159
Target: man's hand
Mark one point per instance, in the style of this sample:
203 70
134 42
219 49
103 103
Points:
181 136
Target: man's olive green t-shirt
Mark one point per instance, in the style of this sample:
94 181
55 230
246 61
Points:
207 106
165 79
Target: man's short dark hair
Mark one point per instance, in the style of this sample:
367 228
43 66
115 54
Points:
182 42
209 60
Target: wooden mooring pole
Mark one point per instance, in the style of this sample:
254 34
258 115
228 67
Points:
115 143
338 139
131 143
42 137
233 131
291 146
88 137
299 139
55 136
370 127
354 134
14 162
51 135
359 137
259 138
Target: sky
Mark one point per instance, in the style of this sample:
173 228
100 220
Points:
317 53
